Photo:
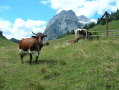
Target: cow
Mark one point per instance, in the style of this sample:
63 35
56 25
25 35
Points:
81 33
72 41
31 46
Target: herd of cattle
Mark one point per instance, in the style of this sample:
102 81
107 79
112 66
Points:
34 44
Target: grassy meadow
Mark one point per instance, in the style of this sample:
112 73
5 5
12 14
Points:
86 65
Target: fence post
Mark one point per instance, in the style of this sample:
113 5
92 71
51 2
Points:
86 34
107 23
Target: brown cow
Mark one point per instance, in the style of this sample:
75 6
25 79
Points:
31 46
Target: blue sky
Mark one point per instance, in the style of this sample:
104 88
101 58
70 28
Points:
25 9
19 17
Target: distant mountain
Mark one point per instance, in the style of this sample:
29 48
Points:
14 40
63 23
83 19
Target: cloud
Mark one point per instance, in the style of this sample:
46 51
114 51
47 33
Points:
88 9
5 25
20 28
93 20
66 4
84 7
4 8
45 2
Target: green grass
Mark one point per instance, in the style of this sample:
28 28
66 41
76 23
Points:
86 65
4 42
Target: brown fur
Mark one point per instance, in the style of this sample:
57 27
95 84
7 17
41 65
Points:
33 44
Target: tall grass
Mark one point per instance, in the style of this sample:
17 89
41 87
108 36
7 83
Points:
83 65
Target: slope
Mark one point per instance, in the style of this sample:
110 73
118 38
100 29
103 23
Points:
88 64
114 25
5 42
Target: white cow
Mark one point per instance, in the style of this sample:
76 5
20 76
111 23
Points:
81 33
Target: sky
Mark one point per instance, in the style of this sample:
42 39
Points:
19 17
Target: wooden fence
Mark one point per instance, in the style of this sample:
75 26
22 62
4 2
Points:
102 32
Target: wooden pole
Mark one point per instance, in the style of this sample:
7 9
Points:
108 17
107 24
86 34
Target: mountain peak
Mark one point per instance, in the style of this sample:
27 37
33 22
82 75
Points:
62 23
67 12
83 19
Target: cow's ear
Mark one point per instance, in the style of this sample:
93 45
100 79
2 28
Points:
33 36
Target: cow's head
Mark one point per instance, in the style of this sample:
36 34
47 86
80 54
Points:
39 36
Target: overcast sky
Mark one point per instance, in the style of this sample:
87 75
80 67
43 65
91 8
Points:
19 17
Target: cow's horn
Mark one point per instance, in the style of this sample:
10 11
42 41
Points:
33 33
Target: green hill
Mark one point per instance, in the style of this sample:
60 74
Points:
88 64
5 42
114 25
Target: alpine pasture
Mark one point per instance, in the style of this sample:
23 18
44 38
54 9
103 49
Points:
86 65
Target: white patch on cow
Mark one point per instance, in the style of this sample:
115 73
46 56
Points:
35 53
21 51
28 52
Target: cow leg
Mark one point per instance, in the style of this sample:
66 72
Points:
21 56
36 54
77 39
36 59
30 59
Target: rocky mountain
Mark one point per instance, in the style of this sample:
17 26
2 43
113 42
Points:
83 19
62 23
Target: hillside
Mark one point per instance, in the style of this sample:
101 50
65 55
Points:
5 42
114 25
86 65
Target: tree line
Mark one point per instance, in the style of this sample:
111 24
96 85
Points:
1 32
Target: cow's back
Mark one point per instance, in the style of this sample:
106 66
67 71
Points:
28 43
